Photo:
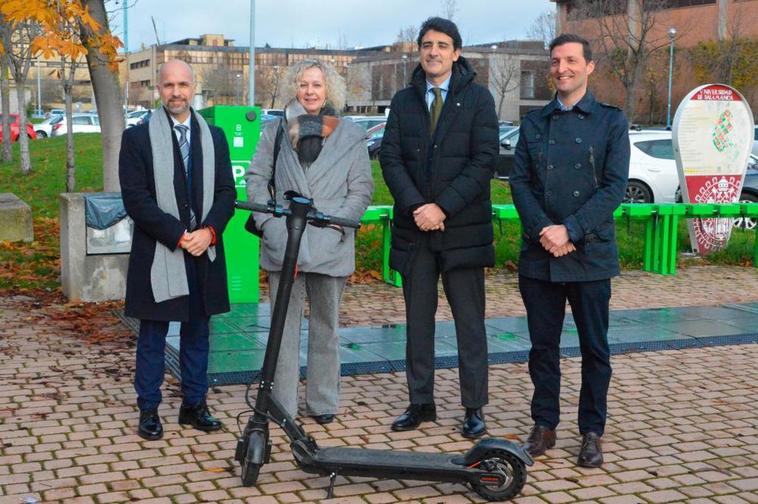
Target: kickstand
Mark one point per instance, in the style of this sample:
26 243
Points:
330 490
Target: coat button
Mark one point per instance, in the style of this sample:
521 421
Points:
576 194
578 140
550 167
581 116
578 165
548 193
186 205
538 136
555 117
551 142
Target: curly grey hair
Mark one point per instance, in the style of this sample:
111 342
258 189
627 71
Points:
335 83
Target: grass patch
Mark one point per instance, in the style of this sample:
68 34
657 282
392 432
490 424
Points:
34 266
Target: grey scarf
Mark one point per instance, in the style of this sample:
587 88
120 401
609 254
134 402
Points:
167 274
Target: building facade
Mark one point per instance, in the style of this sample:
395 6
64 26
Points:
713 41
515 72
221 69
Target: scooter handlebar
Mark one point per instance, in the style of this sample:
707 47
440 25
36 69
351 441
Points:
314 216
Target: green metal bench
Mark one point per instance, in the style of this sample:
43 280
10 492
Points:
661 229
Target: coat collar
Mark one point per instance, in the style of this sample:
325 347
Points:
586 105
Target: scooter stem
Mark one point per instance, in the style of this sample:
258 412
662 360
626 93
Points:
296 222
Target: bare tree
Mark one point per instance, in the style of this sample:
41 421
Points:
220 83
5 96
107 90
17 40
543 28
626 39
405 40
448 8
271 78
505 76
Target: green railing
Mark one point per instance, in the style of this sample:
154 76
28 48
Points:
661 229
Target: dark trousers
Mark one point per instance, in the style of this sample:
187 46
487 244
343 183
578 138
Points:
464 289
193 353
546 307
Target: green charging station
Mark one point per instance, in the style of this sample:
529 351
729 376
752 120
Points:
242 128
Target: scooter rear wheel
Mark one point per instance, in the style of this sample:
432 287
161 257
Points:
510 467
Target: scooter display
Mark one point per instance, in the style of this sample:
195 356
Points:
494 468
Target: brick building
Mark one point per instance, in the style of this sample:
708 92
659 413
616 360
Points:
708 23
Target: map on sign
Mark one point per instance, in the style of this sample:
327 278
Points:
713 136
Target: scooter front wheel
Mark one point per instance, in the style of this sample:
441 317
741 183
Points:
254 457
250 473
511 471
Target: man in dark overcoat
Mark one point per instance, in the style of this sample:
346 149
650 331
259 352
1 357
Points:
438 155
177 186
570 174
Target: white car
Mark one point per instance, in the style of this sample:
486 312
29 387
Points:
45 128
133 118
82 123
653 177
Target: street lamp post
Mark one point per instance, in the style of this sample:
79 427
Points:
251 65
672 36
405 65
239 88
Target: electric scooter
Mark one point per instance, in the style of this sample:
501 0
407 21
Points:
494 468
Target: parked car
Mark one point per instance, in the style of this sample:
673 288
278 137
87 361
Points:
267 117
653 177
367 121
15 123
755 140
45 128
273 112
508 140
81 122
749 191
374 137
133 118
55 112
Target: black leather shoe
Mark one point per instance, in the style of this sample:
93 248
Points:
414 415
591 453
474 425
150 427
323 419
199 417
540 439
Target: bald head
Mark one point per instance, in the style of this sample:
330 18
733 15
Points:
176 84
175 66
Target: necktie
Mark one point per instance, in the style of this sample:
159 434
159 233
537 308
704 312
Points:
184 148
436 109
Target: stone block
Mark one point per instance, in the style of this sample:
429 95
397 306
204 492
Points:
86 277
15 219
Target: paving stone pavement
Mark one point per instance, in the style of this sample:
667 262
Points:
683 424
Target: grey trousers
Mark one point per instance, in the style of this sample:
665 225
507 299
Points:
322 387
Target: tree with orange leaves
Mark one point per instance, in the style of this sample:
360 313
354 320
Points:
62 28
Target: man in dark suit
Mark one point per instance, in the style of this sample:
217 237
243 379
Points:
177 186
570 174
438 155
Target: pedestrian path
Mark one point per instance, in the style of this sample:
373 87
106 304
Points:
238 338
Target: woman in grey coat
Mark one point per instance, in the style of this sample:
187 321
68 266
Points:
324 158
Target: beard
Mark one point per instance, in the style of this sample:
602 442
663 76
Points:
177 107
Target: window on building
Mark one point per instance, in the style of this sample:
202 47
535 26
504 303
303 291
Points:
527 84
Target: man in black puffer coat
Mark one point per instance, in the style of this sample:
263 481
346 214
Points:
437 158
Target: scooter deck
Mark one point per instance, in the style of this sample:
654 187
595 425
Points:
386 464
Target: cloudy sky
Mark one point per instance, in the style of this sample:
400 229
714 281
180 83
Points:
332 23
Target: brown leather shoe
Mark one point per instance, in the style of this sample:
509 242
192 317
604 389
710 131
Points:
591 452
540 439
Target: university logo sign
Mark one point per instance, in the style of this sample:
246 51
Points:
713 136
